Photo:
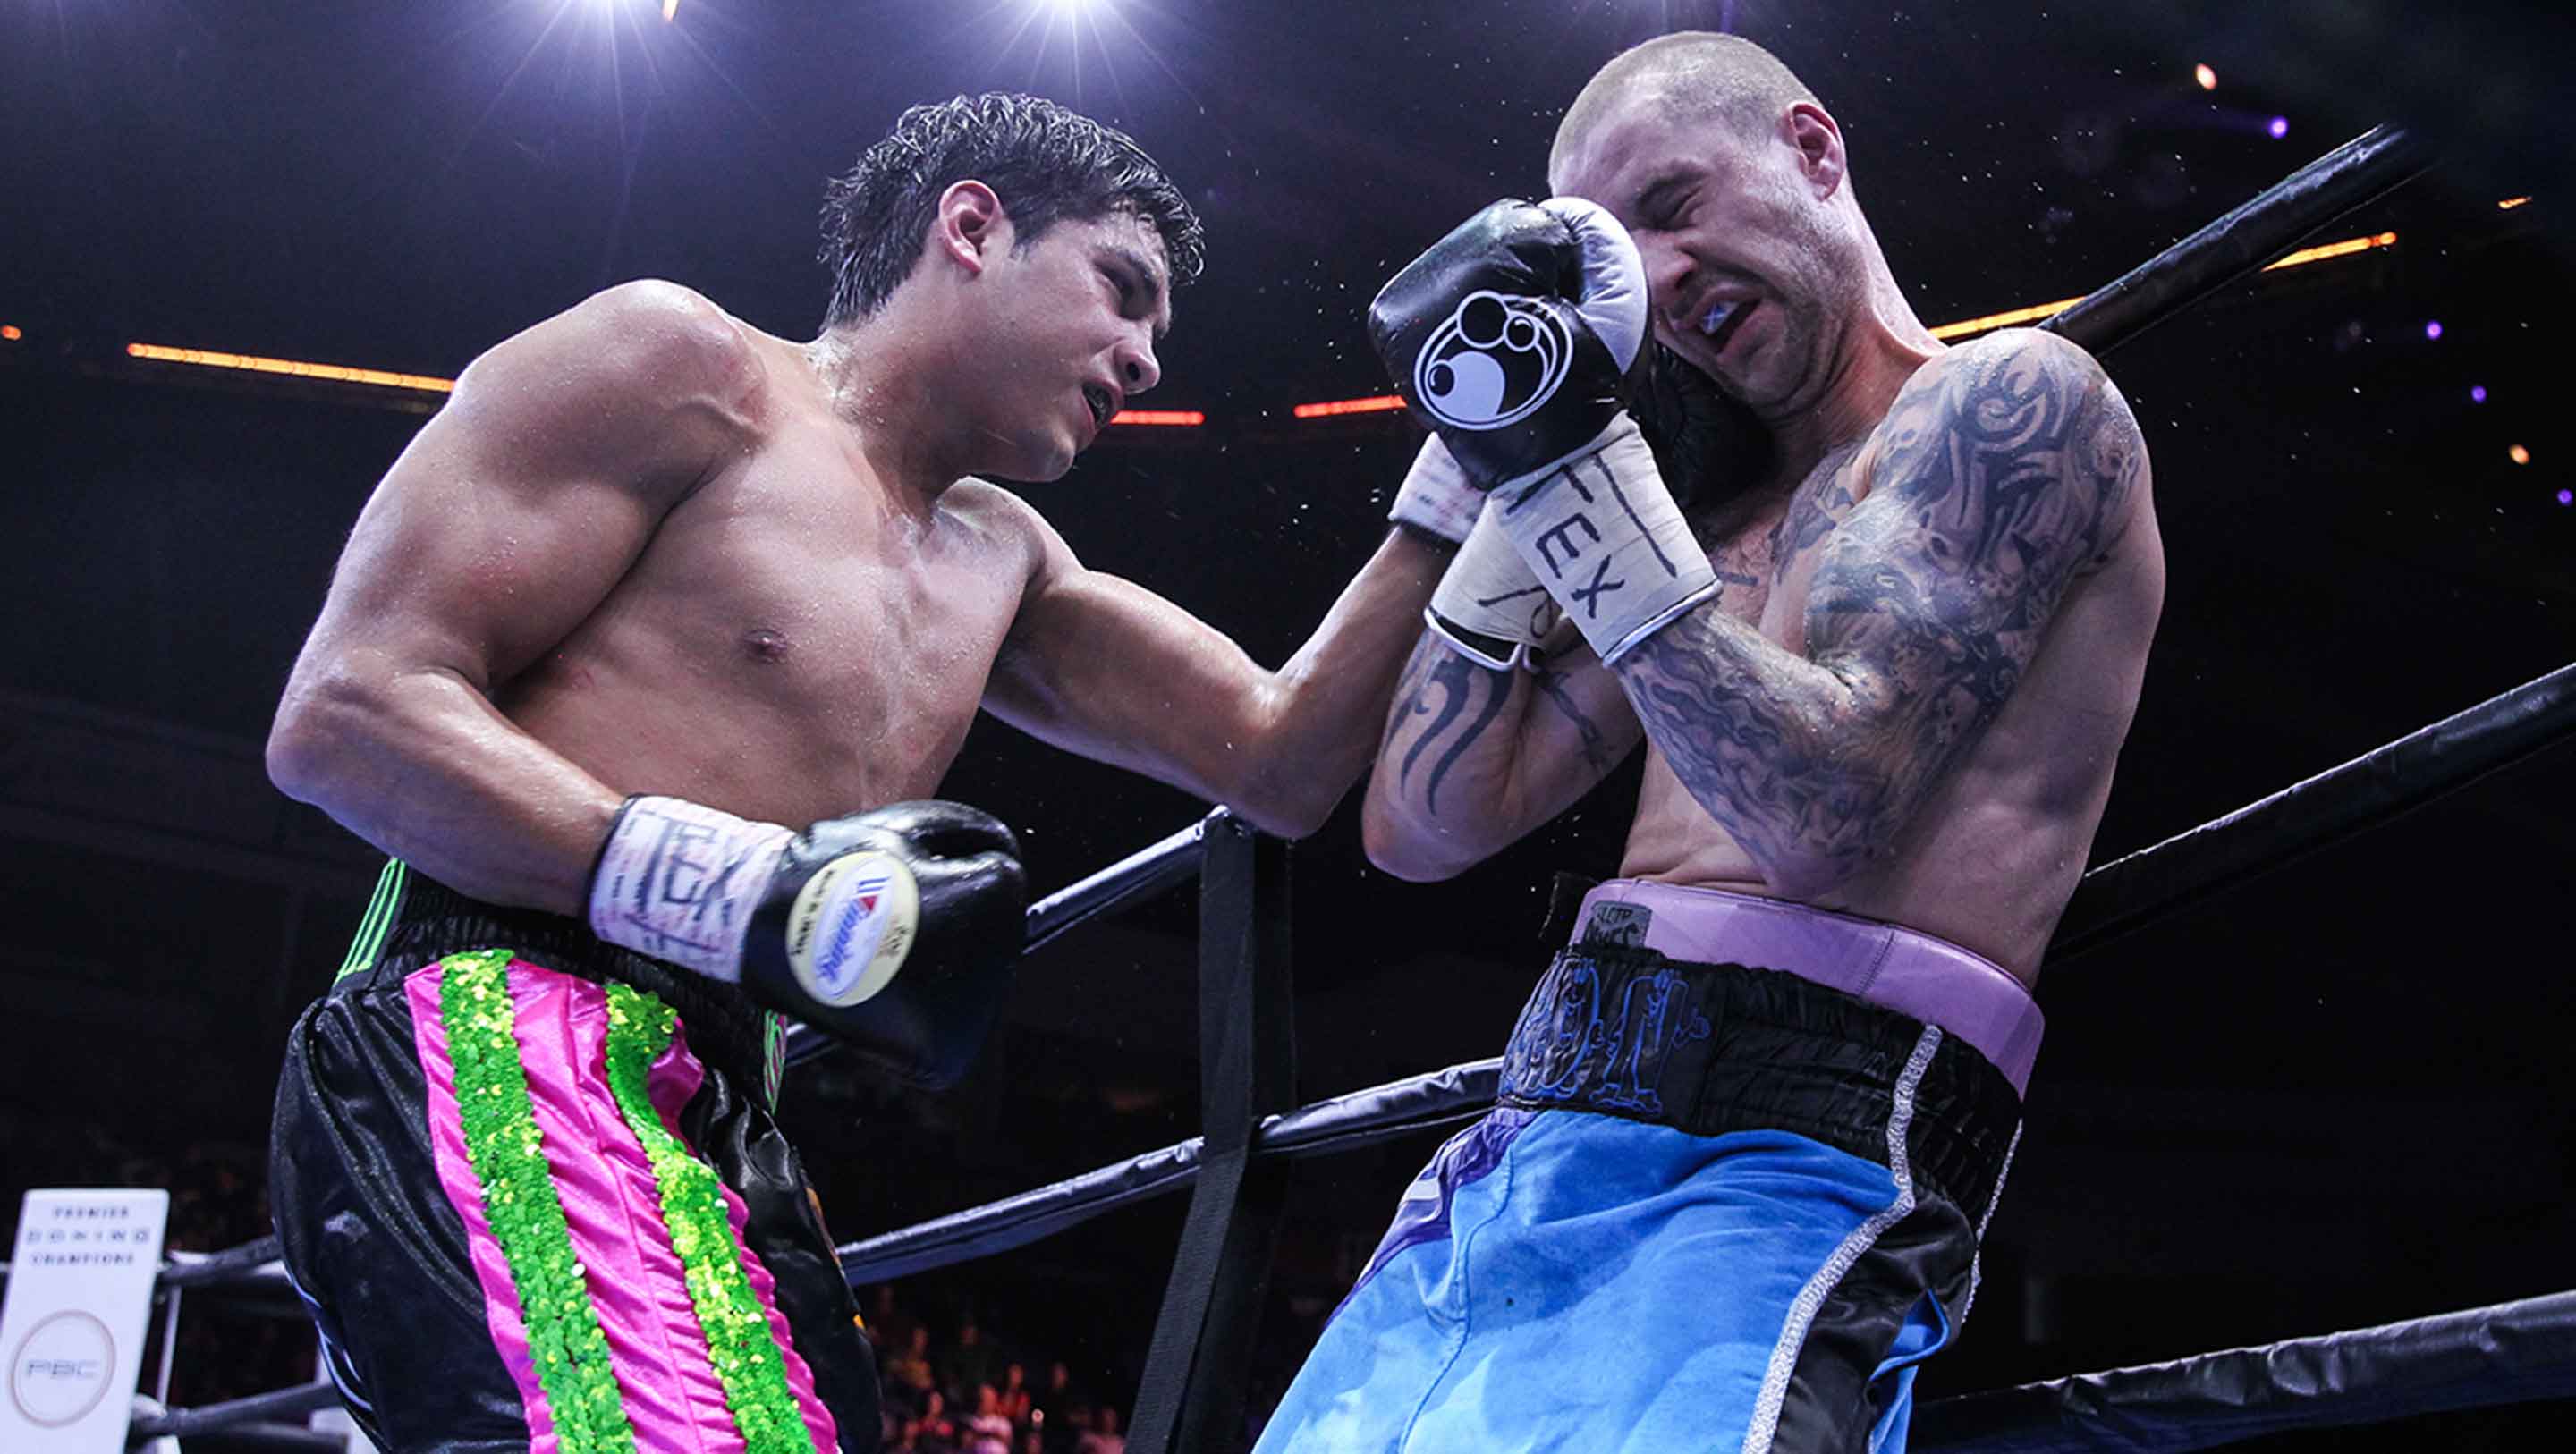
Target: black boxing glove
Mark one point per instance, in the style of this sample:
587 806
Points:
1706 444
1508 339
895 930
1512 337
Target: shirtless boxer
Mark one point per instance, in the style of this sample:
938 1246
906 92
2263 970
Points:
653 585
1754 1118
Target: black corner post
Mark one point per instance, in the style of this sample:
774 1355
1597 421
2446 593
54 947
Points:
1192 1396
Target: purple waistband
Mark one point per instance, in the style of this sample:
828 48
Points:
1916 975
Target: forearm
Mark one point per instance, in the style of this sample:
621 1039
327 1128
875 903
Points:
1319 712
422 765
1779 750
1436 802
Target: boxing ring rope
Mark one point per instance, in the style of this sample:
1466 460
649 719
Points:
2421 1366
2114 898
1140 875
1195 1372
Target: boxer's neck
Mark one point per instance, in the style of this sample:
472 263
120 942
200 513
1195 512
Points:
1879 345
881 379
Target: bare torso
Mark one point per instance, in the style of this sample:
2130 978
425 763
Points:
1990 860
797 640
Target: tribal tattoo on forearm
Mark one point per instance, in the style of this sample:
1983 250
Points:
2004 476
1597 754
1440 684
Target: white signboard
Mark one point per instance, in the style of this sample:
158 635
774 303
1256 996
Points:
80 1296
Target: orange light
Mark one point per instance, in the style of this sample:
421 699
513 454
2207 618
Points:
206 358
2345 248
2037 311
10 332
1373 404
1991 321
2510 203
1172 418
2518 455
2207 78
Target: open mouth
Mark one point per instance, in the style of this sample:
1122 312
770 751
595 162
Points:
1719 324
1100 404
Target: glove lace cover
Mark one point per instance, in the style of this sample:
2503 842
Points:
1601 532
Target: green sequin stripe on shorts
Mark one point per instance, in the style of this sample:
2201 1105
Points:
736 1325
519 1203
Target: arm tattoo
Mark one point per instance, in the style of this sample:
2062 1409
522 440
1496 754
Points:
2005 475
1596 746
1458 684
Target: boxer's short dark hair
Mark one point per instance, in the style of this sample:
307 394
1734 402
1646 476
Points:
1047 164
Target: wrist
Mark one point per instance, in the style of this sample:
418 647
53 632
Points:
678 881
1437 499
1488 606
1602 534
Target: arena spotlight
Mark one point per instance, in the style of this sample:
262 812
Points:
2477 393
2510 203
9 332
2279 127
2518 455
2207 78
1331 408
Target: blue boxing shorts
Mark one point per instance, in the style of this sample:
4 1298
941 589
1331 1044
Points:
1725 1202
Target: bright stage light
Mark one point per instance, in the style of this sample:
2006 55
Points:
2518 455
2207 78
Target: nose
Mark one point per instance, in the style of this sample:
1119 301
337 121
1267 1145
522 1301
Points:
1134 361
1668 271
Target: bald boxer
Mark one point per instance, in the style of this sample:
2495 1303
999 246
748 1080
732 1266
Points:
1756 1115
641 663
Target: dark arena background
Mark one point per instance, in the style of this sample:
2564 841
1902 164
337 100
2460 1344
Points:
2328 1097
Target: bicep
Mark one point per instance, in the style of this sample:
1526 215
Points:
1101 666
2008 476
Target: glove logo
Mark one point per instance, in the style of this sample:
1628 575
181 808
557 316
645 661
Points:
851 926
1493 362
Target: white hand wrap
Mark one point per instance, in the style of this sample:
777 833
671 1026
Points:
1599 529
1435 496
1488 607
678 881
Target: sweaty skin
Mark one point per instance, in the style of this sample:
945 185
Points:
647 548
1908 697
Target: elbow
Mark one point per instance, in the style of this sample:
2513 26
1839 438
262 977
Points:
309 743
1284 814
1395 849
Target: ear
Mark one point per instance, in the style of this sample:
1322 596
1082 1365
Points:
970 228
1812 134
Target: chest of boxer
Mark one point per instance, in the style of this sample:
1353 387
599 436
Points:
792 644
1988 861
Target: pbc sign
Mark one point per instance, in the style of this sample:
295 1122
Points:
60 1371
81 1272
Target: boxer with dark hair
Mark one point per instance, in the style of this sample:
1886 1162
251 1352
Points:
650 591
1754 1118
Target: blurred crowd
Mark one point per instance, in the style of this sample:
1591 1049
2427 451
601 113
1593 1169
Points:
953 1390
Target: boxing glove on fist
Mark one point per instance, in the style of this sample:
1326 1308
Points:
1510 335
894 930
